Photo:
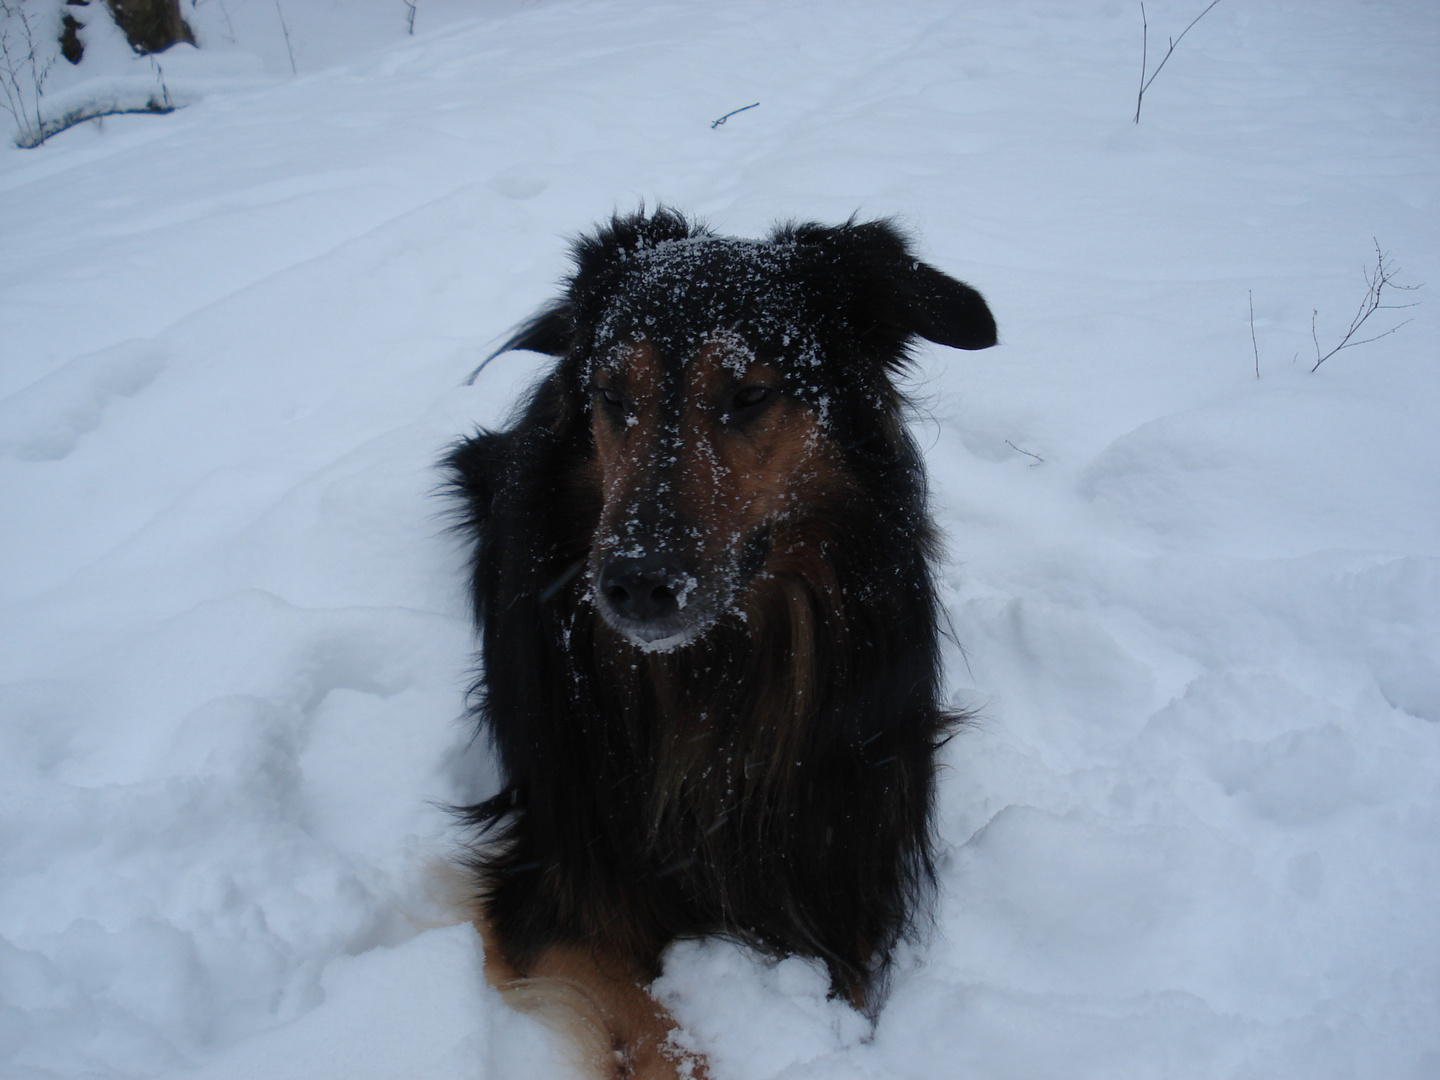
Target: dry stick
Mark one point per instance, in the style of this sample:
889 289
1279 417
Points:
31 133
1145 52
716 123
1384 275
1144 58
1253 343
229 26
165 104
1038 459
285 28
67 120
410 5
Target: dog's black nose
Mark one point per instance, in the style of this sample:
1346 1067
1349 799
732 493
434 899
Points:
645 589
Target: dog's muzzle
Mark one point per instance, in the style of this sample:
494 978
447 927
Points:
648 599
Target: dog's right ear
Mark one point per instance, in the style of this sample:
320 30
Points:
476 467
551 331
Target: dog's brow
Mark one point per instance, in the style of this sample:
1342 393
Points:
637 363
729 350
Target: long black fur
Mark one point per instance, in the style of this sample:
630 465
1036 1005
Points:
625 821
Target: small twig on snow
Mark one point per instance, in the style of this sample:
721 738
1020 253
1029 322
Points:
224 11
22 75
1145 53
1038 459
56 124
410 14
1375 282
164 103
716 123
1253 343
286 29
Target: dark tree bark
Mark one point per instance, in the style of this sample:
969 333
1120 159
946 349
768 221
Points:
71 47
151 26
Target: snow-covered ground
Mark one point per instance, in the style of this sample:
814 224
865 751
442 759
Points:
1196 832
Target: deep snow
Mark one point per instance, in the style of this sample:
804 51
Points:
1193 833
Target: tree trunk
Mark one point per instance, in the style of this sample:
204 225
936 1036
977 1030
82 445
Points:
151 26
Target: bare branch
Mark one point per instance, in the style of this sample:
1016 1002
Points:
286 29
1038 459
1144 58
1144 53
1253 343
153 107
716 123
22 73
1376 282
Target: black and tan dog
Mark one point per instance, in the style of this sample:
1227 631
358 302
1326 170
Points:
703 582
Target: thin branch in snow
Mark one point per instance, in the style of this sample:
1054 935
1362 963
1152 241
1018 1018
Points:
410 14
286 29
1376 281
22 74
93 110
1145 53
225 14
164 103
716 123
1144 58
1038 459
1253 343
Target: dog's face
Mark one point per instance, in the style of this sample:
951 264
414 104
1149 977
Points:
701 458
728 386
708 396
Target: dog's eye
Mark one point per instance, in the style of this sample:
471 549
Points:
752 397
612 398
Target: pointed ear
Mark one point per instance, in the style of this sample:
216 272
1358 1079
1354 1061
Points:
943 310
550 331
874 275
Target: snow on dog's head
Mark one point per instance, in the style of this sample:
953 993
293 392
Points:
732 387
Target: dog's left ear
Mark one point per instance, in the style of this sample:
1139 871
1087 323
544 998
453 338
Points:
943 310
868 268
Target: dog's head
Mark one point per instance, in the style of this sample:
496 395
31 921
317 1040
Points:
729 387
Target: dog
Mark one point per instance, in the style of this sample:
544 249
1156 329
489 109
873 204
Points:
703 580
